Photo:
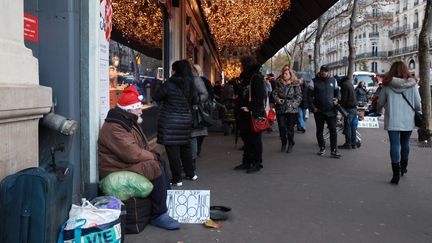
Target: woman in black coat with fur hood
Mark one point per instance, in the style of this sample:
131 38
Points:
253 82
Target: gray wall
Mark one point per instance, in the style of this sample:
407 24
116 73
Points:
58 51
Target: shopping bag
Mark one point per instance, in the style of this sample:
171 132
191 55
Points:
109 233
271 116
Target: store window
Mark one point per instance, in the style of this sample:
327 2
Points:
129 67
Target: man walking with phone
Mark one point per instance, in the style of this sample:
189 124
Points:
323 96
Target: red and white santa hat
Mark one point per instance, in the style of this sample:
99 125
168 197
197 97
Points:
130 99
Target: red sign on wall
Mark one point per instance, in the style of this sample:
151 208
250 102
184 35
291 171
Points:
31 28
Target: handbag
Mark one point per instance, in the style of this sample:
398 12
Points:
271 114
419 119
200 118
258 124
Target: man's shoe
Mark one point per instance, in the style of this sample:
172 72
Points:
345 146
166 222
242 167
354 146
322 151
290 148
254 169
335 154
192 178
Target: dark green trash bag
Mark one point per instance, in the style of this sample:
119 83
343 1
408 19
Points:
125 184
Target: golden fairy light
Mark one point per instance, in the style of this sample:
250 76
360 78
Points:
239 27
139 20
232 69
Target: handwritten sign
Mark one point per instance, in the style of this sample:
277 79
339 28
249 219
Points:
369 122
189 206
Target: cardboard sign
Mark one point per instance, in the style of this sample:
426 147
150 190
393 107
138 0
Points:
189 206
369 122
31 28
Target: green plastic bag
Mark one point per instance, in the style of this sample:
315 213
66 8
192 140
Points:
125 184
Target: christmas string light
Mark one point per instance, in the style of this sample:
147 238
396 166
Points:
239 27
139 20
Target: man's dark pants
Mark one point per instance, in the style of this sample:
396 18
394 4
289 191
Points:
320 120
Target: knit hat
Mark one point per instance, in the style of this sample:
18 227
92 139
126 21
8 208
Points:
130 99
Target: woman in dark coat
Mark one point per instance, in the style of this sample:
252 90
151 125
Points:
175 120
253 82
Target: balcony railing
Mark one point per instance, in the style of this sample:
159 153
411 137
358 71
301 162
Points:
403 50
332 49
372 54
379 15
373 34
401 30
415 25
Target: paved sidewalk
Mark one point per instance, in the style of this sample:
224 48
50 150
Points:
301 197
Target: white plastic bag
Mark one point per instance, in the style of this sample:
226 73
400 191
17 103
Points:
94 216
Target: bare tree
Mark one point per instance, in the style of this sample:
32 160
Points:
322 23
351 47
424 62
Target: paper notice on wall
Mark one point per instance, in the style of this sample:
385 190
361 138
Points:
105 17
189 206
369 122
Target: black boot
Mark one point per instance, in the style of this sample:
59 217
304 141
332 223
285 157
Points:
396 174
283 147
403 169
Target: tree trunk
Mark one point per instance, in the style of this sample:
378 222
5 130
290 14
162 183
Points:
294 52
424 73
136 73
351 47
317 43
302 49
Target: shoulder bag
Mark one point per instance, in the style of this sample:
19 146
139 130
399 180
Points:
419 119
259 124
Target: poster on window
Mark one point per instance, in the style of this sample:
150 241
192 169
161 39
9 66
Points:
105 26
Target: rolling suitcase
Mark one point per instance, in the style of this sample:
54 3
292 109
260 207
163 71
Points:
34 203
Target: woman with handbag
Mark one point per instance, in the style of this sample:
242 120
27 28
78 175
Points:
287 96
201 98
398 95
175 97
249 107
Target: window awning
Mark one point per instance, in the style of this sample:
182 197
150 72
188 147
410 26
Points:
301 14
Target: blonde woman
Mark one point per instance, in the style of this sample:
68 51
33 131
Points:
287 96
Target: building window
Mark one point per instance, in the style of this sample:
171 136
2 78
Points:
374 67
411 65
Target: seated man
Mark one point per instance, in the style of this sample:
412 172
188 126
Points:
124 146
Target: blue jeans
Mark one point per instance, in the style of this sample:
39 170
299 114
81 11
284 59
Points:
350 127
399 144
301 118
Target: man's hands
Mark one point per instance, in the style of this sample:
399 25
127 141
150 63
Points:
245 109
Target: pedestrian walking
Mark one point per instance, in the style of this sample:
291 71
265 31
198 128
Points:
175 120
287 96
201 97
399 116
349 103
250 102
303 108
361 92
323 96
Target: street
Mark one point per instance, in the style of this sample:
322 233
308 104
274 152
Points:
301 197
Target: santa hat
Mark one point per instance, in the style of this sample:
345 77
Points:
130 99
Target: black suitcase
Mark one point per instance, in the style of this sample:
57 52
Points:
34 203
138 214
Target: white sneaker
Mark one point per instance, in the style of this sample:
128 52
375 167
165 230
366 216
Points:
177 183
193 178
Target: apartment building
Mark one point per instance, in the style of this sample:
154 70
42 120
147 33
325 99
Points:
385 31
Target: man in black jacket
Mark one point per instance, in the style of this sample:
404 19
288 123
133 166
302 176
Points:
323 96
349 102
